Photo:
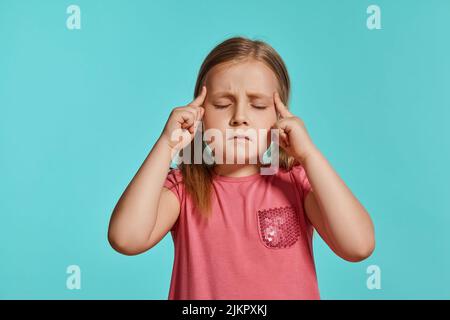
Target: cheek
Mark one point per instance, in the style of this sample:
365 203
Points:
264 142
207 119
212 120
212 127
264 118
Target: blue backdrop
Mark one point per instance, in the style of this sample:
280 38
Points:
81 108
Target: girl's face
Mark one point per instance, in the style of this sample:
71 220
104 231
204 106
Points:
240 96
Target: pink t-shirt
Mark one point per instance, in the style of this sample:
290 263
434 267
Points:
256 245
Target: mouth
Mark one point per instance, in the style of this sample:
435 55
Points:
240 138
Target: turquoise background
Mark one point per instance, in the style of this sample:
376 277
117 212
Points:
81 109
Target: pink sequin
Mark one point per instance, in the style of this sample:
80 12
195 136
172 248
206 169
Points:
279 226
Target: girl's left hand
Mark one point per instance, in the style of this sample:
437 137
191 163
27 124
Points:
293 137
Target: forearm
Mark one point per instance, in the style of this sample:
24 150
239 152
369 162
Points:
346 222
134 215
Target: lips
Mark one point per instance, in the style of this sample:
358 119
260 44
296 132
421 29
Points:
238 137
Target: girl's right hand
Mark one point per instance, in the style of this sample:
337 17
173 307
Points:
183 122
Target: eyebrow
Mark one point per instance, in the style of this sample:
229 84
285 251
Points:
228 94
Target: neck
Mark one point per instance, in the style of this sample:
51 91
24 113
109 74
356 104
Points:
236 170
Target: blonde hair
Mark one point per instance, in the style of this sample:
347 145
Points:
197 178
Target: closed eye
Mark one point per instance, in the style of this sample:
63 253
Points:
220 106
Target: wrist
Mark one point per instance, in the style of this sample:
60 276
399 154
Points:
312 153
165 146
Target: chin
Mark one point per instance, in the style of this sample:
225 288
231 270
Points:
244 158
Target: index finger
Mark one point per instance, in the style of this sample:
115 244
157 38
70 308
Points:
197 102
280 107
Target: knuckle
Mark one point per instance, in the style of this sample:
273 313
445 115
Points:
177 109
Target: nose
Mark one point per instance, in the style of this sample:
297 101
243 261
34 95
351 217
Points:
239 116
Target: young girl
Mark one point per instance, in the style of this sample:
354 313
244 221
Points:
239 234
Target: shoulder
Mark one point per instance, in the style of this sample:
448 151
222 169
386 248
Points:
175 173
174 178
295 170
174 182
300 179
298 170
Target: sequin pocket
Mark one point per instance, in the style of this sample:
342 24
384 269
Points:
279 227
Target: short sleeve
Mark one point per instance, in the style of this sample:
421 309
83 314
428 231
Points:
174 183
304 188
301 180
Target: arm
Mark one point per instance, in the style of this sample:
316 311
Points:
135 214
334 211
146 211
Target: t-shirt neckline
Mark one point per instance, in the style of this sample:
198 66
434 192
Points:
237 179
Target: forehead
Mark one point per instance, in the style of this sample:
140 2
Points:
253 77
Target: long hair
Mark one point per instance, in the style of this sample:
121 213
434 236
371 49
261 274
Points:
197 178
